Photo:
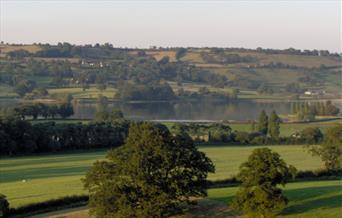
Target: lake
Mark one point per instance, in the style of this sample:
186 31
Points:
201 110
238 110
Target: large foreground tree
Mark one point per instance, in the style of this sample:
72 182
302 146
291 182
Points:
149 176
259 195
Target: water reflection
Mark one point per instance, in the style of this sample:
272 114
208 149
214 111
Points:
239 110
187 110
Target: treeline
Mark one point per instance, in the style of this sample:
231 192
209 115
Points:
222 133
21 137
292 51
265 131
219 57
205 93
67 50
154 92
33 111
63 110
307 111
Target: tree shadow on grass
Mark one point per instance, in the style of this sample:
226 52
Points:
300 194
209 208
320 202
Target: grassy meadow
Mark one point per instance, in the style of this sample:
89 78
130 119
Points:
78 92
31 179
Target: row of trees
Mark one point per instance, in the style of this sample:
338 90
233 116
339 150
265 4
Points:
269 125
63 110
224 58
308 111
129 92
223 133
21 137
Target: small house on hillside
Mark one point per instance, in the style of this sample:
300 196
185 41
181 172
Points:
314 92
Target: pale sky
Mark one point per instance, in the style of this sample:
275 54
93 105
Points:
303 24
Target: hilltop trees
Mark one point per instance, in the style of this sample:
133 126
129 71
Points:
149 176
258 195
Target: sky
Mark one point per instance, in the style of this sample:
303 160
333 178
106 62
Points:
302 24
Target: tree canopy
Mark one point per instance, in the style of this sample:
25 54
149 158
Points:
263 122
330 150
149 176
258 195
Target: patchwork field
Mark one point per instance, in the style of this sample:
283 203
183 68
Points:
37 178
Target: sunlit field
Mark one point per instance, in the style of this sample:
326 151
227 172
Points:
37 178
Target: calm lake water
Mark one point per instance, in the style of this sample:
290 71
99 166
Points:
189 110
239 110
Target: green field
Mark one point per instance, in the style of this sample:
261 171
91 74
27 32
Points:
76 92
286 129
37 178
321 199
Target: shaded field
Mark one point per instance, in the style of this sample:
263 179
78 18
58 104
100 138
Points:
307 199
32 179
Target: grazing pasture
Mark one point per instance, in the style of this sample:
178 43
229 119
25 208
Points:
32 179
